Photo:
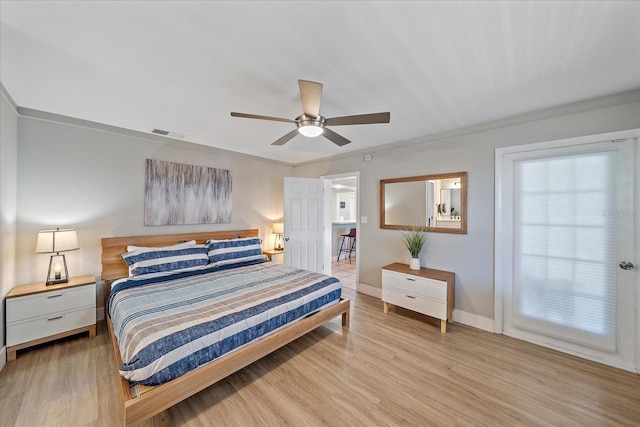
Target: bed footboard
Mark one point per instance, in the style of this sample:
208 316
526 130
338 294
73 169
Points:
157 399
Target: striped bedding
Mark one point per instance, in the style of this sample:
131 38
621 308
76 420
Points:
168 326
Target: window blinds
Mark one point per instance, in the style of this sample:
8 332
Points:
564 269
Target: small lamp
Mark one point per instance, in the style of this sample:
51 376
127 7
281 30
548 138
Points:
58 240
278 230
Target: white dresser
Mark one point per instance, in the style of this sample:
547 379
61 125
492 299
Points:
426 291
37 313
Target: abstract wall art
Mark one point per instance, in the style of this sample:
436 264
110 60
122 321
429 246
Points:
186 194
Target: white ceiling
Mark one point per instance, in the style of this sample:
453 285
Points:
184 66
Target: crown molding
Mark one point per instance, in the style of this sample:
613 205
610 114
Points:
29 113
552 112
547 113
8 97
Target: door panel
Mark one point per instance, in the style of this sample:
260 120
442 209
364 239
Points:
562 232
303 223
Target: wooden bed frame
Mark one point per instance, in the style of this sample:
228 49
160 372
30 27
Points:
159 398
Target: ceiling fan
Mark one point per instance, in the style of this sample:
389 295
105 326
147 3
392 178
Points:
311 123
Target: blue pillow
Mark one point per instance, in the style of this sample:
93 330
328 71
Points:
223 252
154 262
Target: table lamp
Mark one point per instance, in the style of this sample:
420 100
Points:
278 230
54 242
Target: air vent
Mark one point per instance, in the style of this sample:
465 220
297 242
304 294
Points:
168 133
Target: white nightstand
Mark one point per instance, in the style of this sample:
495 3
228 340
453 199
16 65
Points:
275 255
37 313
426 291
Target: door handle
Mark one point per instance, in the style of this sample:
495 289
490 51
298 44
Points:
626 265
286 239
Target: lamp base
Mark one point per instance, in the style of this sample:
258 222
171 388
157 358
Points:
57 277
277 245
56 282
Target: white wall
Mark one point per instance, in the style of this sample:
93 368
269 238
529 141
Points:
469 255
90 177
8 187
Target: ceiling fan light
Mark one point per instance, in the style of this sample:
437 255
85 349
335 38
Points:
310 131
310 126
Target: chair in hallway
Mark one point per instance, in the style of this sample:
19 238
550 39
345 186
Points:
350 240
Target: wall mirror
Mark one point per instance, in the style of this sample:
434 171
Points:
437 202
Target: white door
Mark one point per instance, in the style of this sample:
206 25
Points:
564 225
303 223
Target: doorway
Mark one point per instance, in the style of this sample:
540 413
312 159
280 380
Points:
566 231
314 221
341 225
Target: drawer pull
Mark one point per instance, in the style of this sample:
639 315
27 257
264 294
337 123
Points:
411 296
55 318
410 279
54 296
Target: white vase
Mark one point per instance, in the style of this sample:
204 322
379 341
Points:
414 263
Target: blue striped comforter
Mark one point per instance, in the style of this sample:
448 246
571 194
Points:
172 325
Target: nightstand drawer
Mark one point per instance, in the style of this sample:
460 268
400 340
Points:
415 285
54 301
52 324
412 301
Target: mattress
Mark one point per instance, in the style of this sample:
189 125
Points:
168 326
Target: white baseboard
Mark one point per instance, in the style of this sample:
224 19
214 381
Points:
474 320
369 290
100 313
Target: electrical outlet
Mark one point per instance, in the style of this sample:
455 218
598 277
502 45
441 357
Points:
363 220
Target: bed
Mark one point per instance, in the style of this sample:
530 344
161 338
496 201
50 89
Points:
305 300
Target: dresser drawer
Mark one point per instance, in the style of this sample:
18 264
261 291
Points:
44 303
415 285
412 301
52 324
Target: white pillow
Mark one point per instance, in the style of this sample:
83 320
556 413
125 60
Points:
179 245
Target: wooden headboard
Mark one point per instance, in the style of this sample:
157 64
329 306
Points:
114 267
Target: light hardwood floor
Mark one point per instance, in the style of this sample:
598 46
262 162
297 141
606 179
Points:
395 369
345 271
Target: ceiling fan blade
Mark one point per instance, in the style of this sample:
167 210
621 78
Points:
286 138
253 116
334 137
362 119
310 95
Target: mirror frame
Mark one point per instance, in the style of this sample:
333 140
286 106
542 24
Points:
463 202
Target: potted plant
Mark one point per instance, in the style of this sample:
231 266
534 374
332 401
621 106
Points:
414 240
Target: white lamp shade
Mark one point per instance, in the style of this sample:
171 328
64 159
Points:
58 240
278 228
